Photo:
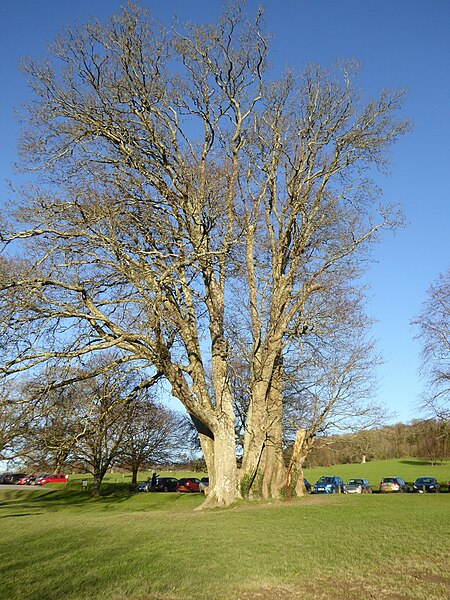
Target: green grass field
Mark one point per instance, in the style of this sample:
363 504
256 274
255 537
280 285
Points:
59 543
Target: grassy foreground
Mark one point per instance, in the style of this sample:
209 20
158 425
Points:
61 544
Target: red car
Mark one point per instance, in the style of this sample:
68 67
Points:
24 480
188 484
57 478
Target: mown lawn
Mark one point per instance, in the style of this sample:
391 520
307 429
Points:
61 544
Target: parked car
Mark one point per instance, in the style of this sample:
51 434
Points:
203 485
141 487
329 485
55 478
357 486
393 484
188 484
24 480
13 478
164 484
426 484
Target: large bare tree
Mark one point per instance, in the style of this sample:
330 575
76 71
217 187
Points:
183 189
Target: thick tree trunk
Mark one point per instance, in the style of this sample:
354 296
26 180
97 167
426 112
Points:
207 445
223 489
97 481
263 468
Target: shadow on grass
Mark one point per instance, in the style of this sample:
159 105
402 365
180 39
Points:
113 496
70 495
418 463
20 515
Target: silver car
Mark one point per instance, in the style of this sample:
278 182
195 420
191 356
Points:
357 486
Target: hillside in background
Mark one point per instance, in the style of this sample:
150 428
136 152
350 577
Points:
428 440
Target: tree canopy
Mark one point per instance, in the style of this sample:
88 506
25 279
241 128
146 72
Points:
189 203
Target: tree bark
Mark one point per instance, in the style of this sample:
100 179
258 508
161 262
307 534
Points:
222 456
294 480
263 468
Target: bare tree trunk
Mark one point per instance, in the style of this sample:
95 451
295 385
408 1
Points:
207 445
224 489
134 474
274 468
263 469
294 479
98 478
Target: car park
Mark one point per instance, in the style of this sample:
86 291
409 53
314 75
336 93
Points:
357 486
329 485
55 478
393 485
426 485
188 484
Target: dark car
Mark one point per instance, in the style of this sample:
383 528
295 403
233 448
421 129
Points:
329 485
165 484
13 478
203 485
357 486
426 484
188 484
393 485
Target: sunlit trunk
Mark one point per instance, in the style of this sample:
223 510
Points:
263 472
223 488
294 479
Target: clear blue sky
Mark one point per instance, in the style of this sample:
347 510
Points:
401 44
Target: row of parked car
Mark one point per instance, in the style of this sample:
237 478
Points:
325 485
24 479
334 484
172 484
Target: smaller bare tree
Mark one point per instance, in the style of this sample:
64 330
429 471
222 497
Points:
154 434
434 335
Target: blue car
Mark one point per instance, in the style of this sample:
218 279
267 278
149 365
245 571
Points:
329 485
